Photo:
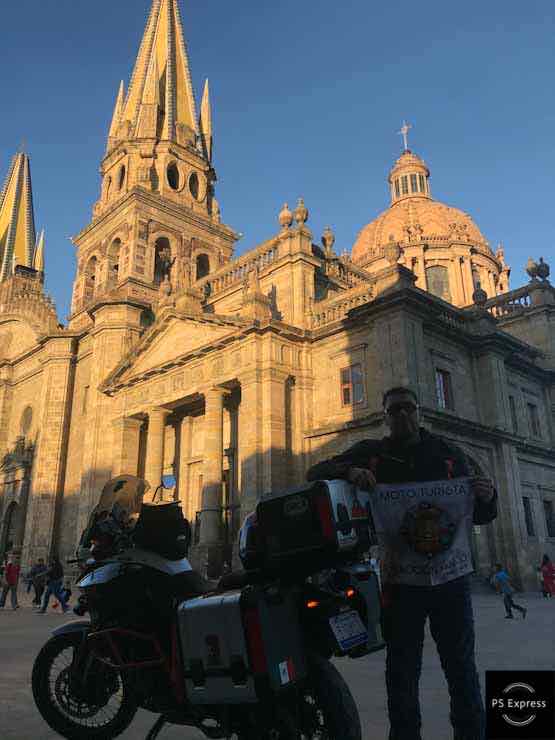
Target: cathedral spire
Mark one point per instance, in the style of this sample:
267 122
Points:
38 260
162 49
118 110
17 223
205 122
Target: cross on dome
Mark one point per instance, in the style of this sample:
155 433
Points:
404 131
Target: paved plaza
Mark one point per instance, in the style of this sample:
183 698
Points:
502 644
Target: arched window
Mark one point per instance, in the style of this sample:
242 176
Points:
162 259
90 278
194 185
203 266
174 177
108 187
147 318
476 279
10 523
114 251
121 177
438 282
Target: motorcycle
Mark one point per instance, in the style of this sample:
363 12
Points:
249 658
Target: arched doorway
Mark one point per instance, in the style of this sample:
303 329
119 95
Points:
9 529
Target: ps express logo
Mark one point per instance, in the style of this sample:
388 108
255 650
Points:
520 704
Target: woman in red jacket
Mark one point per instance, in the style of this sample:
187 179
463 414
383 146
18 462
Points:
548 573
11 577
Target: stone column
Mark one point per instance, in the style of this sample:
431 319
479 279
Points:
275 461
491 284
127 432
468 280
466 299
457 288
212 469
185 451
454 288
155 447
22 494
249 455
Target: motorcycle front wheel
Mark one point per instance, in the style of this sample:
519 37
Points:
103 708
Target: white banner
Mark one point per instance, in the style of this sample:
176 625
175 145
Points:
424 529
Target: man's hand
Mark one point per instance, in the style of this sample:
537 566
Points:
482 488
362 478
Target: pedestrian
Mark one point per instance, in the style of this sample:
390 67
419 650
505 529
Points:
39 580
11 580
54 585
541 583
503 584
412 454
548 573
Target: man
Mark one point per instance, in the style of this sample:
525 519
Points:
54 585
503 584
38 576
11 578
411 454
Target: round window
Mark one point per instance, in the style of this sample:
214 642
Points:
174 178
194 185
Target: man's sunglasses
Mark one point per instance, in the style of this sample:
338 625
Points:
396 408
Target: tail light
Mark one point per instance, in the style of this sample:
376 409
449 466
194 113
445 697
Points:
350 593
325 514
255 641
312 604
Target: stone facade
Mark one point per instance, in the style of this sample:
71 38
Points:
236 375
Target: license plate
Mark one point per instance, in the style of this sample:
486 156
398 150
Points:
349 630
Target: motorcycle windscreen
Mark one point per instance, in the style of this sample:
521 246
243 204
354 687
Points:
122 498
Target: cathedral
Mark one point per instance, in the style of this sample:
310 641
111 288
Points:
235 374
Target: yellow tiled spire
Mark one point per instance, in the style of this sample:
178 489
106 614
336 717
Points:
163 52
17 223
38 261
205 122
118 110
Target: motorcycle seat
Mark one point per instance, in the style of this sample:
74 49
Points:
232 581
189 584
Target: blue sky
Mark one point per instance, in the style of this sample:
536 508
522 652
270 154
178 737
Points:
308 96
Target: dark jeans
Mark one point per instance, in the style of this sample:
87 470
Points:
12 590
39 591
56 588
449 609
510 604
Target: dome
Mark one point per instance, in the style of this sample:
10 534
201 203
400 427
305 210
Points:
441 244
413 220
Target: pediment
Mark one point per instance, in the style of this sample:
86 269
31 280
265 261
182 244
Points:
169 342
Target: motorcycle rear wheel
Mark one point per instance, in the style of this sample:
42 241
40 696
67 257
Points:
328 712
69 714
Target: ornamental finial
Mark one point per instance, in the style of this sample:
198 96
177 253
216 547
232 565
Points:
404 132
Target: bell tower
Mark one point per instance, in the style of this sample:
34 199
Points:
157 219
